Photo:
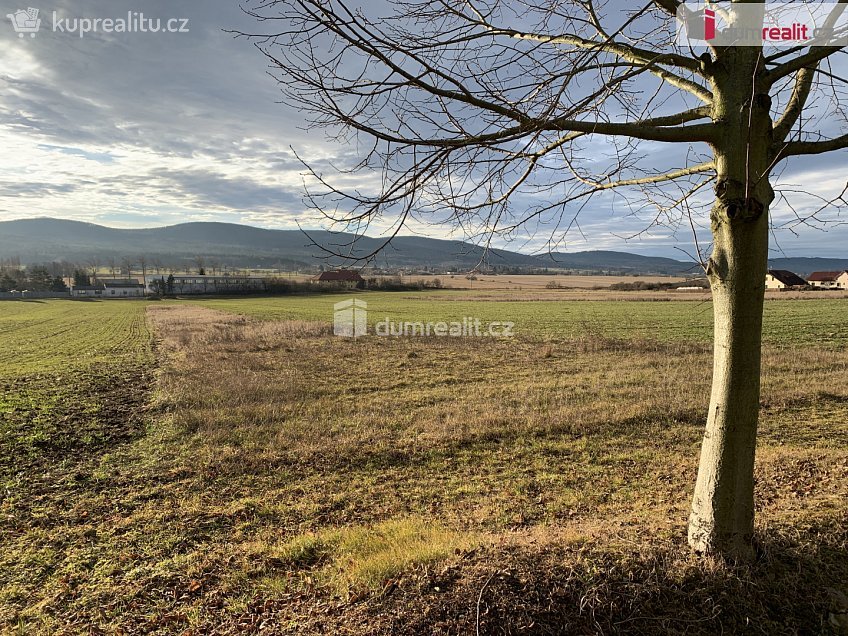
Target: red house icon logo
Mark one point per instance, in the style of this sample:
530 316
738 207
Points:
709 24
701 24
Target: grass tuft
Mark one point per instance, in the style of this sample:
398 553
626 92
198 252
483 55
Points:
359 559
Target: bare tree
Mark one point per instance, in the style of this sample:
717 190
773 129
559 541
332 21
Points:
467 106
127 265
94 267
142 263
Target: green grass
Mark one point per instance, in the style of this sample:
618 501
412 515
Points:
58 361
51 336
361 559
278 477
72 388
820 322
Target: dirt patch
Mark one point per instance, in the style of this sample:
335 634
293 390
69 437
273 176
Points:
50 419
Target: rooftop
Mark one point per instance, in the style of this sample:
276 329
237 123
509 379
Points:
122 283
342 275
787 278
823 277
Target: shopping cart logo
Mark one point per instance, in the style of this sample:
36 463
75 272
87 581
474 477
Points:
25 21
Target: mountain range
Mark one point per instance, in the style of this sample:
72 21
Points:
45 239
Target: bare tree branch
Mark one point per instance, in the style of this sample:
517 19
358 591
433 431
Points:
800 93
811 58
815 147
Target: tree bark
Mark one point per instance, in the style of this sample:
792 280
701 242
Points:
722 517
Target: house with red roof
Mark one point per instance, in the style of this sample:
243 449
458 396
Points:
829 280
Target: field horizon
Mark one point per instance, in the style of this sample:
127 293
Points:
229 466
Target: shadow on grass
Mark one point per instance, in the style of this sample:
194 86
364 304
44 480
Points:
816 399
794 588
677 431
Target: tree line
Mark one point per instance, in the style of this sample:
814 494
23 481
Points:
54 276
33 278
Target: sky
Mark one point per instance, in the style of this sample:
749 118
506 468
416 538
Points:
143 130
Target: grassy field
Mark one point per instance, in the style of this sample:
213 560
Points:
74 380
511 282
56 361
817 322
280 480
528 282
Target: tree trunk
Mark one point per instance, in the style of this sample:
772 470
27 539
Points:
722 518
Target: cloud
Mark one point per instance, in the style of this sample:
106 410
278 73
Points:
210 189
143 129
32 189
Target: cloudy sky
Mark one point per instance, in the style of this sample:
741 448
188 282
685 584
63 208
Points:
141 129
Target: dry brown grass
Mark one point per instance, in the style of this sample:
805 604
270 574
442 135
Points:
293 482
592 438
527 282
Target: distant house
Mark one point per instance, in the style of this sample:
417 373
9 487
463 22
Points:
826 280
123 288
783 279
341 276
842 280
87 291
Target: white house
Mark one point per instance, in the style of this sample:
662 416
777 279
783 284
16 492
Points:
123 288
827 280
782 279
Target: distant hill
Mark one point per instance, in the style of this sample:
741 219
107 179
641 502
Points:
44 239
623 261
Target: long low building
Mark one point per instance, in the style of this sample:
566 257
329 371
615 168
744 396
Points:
199 284
123 288
112 288
87 291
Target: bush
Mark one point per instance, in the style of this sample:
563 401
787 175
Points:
641 285
395 283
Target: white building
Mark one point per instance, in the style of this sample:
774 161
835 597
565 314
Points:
198 284
781 279
828 280
125 288
87 291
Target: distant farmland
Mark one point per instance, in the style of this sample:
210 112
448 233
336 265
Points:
228 466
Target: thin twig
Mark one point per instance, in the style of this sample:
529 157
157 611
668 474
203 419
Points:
480 598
